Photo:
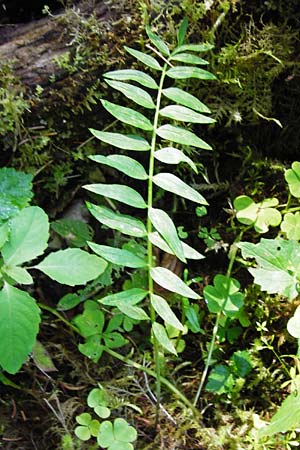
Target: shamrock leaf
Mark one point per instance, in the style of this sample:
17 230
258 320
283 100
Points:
97 399
293 325
292 177
116 435
291 226
224 296
261 215
87 427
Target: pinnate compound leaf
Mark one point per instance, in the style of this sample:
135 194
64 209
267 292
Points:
164 311
72 266
128 297
15 192
184 98
162 337
125 164
125 224
131 142
158 42
292 177
171 155
168 280
127 115
291 225
278 265
28 236
224 296
188 251
193 48
146 59
189 59
134 93
181 136
19 324
132 75
184 114
261 215
119 192
18 274
118 256
183 72
166 228
173 184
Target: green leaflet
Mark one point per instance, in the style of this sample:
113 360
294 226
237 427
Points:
224 296
188 58
173 184
128 115
291 225
181 136
125 224
184 114
118 256
183 72
185 99
72 266
119 192
128 297
171 155
134 93
168 280
165 312
162 337
134 312
193 48
131 142
18 274
19 324
125 164
148 60
132 75
166 228
189 252
158 42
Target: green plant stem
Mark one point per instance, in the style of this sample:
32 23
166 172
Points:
59 316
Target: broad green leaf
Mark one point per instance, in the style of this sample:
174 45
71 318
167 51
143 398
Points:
181 136
120 192
15 192
171 183
193 48
166 228
68 302
29 233
293 325
4 233
286 418
292 177
278 265
189 252
168 280
75 232
160 333
164 311
92 348
130 142
261 215
158 42
189 59
218 379
134 312
90 322
114 339
19 325
125 224
127 115
129 297
291 225
185 99
146 59
224 296
72 266
18 274
125 164
118 256
184 114
134 93
182 31
132 75
171 155
183 72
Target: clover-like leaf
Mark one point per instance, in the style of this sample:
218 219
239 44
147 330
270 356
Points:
261 215
293 325
87 427
291 225
292 177
98 399
117 435
224 296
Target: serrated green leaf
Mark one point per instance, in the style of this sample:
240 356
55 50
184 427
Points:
182 31
162 337
171 155
134 93
119 192
130 142
218 378
125 224
168 280
125 164
291 225
29 233
189 59
184 114
118 256
146 59
127 115
164 311
166 228
19 324
72 266
224 296
134 312
278 265
292 177
181 136
15 192
185 99
193 48
189 252
173 184
128 297
18 274
183 72
158 42
132 75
